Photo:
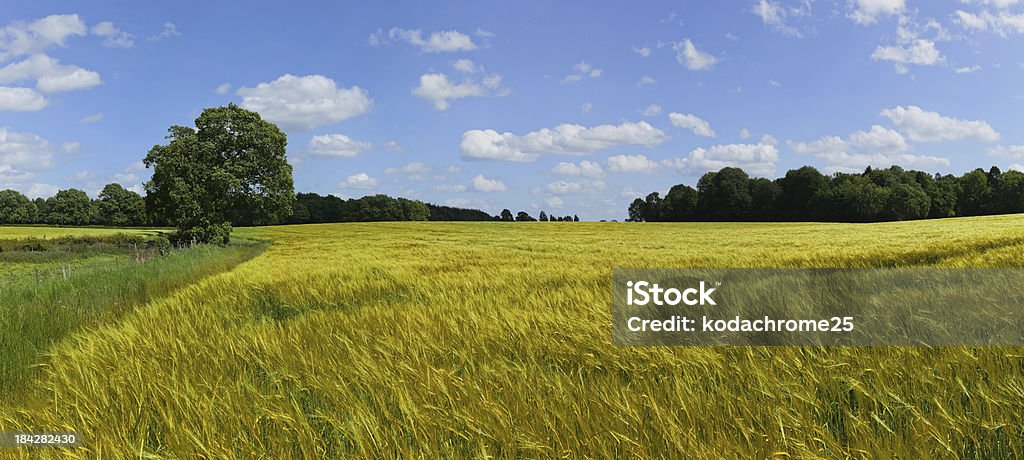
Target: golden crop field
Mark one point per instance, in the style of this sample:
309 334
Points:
438 340
14 233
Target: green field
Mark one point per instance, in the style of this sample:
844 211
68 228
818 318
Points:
440 340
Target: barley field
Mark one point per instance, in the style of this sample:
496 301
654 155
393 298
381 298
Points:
492 340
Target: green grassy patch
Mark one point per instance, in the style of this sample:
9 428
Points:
36 314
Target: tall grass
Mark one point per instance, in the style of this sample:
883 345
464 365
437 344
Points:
35 315
444 340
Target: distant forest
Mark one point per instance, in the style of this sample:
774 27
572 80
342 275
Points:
805 194
119 207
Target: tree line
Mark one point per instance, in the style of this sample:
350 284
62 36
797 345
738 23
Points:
805 194
115 206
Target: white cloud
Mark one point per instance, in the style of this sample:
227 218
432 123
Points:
554 202
569 139
21 99
769 139
394 146
694 59
50 75
632 164
223 88
642 51
70 147
337 145
586 107
414 168
483 184
445 41
169 30
23 155
1017 167
971 69
877 147
652 110
21 38
562 187
437 88
745 133
447 188
691 122
467 66
303 103
755 159
1001 22
917 52
359 181
112 36
923 126
645 80
1015 152
774 15
865 12
584 168
582 70
774 83
88 119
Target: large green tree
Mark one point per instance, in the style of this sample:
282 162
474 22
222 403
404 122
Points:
69 207
230 168
121 207
16 208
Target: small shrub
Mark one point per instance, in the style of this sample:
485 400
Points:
161 243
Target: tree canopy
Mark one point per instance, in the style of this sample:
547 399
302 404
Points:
804 194
231 167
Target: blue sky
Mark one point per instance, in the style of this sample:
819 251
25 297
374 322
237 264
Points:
570 107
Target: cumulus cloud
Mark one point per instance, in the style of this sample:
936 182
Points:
584 168
691 122
1001 22
436 87
415 168
877 147
645 80
642 51
49 74
305 102
581 70
917 52
222 88
755 159
336 145
358 181
865 12
774 15
467 66
652 110
923 126
450 188
561 187
23 156
554 202
112 36
694 59
568 139
22 38
963 70
632 164
21 99
169 30
483 184
445 41
1015 152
